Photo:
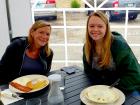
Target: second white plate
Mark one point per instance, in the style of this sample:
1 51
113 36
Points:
85 100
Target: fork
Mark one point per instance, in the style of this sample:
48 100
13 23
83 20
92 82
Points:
15 95
115 83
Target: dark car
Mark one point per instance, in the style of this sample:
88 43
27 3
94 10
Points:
119 14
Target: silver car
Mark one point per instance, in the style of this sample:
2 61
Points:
45 15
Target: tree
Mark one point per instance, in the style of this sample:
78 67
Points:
75 4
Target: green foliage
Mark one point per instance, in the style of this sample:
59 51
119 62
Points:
75 4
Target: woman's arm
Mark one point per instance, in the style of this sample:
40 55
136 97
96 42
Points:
127 65
130 76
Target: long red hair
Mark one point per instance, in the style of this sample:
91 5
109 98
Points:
89 45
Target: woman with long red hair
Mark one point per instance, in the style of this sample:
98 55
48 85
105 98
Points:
107 57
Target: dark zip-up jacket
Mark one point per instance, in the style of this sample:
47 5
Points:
127 67
11 62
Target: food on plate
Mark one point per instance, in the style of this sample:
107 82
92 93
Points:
22 81
102 95
36 84
20 87
29 83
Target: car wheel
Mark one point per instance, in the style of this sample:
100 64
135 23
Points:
108 14
133 17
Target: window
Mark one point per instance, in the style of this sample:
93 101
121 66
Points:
68 33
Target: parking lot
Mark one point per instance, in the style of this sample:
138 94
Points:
80 18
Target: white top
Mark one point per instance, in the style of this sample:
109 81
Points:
55 77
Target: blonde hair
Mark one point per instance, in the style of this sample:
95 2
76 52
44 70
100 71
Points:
106 53
39 24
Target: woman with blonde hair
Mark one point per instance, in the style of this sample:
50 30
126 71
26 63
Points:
107 57
28 55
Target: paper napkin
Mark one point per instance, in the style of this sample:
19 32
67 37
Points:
7 98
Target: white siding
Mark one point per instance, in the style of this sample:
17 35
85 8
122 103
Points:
21 16
4 32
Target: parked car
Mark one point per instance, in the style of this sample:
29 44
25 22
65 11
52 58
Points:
45 15
119 14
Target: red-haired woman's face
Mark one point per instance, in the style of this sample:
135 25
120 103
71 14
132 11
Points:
96 28
41 36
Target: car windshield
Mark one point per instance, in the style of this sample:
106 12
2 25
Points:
40 4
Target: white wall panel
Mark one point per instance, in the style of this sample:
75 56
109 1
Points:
20 16
4 31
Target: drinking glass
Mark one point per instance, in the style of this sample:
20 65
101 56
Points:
33 101
62 82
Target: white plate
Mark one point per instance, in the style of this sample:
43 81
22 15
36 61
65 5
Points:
24 79
119 96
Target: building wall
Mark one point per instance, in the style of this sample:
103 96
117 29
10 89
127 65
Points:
20 16
4 32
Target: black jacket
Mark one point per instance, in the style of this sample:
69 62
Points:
11 62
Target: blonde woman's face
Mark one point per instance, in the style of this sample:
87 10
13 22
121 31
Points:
96 28
41 36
